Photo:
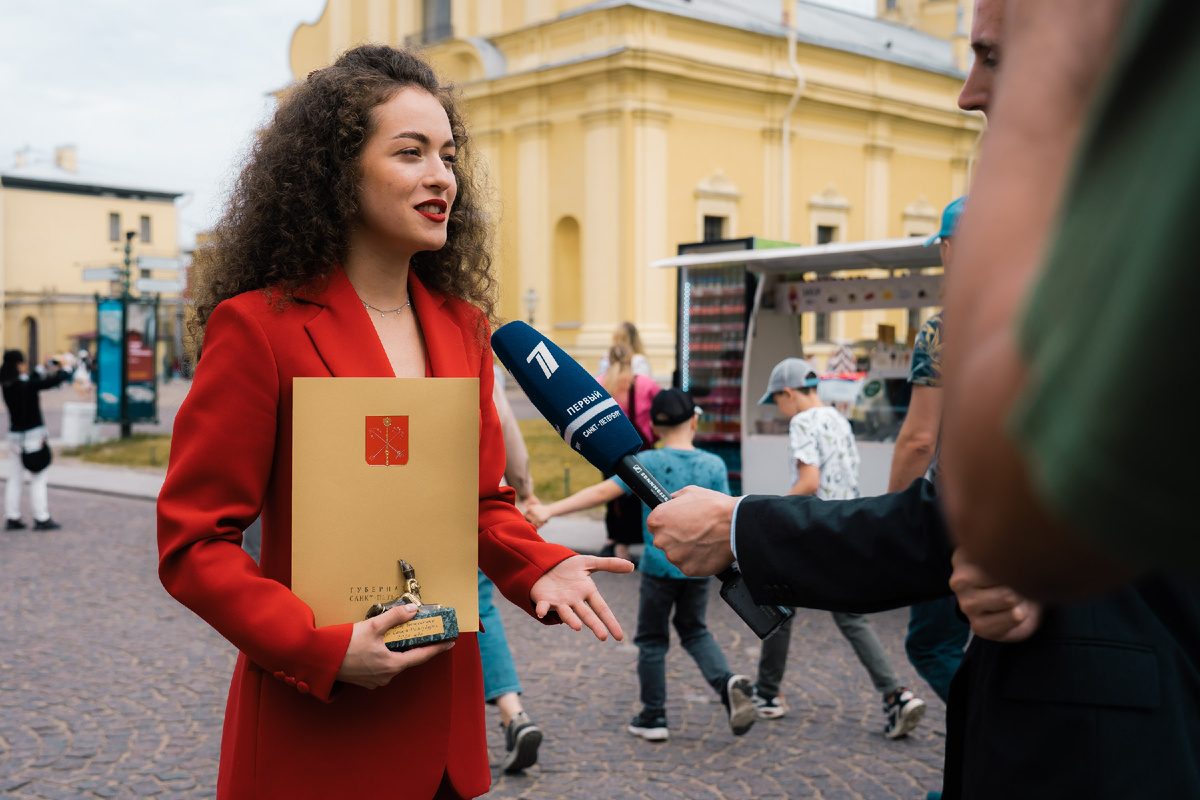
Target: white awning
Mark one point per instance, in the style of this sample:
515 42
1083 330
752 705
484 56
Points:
909 253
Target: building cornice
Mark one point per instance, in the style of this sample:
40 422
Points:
87 189
704 73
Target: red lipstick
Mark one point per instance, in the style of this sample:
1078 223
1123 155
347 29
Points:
434 210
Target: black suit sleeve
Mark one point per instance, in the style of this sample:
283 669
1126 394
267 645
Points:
860 556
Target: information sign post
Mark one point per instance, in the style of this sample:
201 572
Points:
127 332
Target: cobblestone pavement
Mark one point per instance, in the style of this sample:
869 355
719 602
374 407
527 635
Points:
108 688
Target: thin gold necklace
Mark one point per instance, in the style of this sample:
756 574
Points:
383 312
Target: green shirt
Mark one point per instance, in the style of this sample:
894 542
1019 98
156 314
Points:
1111 440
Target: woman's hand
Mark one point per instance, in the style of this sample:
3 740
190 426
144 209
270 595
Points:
523 503
568 589
368 662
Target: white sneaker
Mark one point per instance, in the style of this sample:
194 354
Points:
903 713
738 702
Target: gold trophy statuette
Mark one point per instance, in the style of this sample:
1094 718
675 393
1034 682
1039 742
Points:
432 624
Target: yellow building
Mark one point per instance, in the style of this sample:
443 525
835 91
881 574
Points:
55 222
615 131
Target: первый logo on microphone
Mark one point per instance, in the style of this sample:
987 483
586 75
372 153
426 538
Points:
544 358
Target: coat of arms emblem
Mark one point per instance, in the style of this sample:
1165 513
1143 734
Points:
387 441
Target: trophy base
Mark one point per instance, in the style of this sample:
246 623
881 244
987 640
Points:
431 625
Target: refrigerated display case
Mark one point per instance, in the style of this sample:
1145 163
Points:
713 312
780 285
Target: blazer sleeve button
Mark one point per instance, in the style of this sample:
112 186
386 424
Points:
302 687
290 681
279 676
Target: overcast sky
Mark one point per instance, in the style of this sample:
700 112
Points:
162 93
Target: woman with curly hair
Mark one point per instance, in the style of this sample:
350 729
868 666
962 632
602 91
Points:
353 246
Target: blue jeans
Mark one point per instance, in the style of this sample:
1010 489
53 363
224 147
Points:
935 641
690 599
499 673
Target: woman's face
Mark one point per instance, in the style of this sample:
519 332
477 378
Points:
407 186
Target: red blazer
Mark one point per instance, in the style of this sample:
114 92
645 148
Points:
291 731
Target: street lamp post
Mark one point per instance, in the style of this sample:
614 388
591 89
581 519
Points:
126 425
531 301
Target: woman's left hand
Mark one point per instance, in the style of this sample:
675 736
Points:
569 590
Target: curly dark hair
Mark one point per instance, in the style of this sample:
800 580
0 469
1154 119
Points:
293 206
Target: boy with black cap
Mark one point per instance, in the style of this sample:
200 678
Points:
823 461
676 464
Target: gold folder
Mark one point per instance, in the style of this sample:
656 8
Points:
385 469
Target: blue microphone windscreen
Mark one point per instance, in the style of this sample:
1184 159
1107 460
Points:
581 411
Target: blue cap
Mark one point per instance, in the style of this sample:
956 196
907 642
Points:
949 220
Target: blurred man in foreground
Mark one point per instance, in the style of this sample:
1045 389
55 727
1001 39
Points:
1096 699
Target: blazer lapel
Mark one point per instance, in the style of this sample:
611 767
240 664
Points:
343 334
443 338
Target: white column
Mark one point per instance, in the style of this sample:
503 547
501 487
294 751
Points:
339 27
878 190
773 178
533 210
485 146
601 233
378 15
654 294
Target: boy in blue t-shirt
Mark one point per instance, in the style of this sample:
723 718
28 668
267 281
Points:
676 464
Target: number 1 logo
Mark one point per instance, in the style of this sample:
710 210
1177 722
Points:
544 359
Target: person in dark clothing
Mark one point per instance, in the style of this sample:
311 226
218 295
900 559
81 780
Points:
27 434
1101 701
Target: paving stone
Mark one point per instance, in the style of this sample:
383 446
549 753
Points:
140 712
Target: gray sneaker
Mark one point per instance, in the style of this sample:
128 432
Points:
521 741
738 701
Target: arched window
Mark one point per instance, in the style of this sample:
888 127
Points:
566 279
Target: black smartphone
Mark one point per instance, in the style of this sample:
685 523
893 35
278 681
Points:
761 619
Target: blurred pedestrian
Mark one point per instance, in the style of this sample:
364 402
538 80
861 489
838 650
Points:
627 334
678 463
634 393
353 245
501 684
936 635
81 378
28 441
823 462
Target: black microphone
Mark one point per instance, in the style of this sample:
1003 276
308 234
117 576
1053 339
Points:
589 420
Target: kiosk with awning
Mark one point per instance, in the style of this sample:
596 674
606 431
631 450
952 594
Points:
787 282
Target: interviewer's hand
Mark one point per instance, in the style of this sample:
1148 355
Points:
692 528
368 662
569 590
996 612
